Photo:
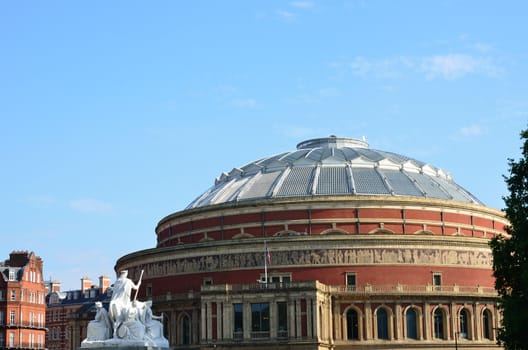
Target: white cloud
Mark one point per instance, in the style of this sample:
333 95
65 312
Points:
41 201
302 4
454 66
88 205
286 15
244 102
449 66
385 68
472 130
329 92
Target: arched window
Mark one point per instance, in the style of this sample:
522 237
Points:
411 324
352 320
464 324
438 320
185 330
383 324
487 325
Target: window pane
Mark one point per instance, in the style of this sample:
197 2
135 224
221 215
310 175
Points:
351 280
282 310
383 324
410 318
260 317
486 324
438 324
238 318
352 325
464 318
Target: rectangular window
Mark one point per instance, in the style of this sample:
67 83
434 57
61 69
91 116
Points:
12 317
437 280
207 281
1 319
1 295
13 295
11 339
276 278
351 280
238 320
149 291
282 313
260 320
2 340
11 275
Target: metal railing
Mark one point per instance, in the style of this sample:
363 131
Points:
24 324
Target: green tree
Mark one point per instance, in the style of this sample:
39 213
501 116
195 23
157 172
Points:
510 256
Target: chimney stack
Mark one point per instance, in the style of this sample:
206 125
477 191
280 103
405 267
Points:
86 284
55 286
104 283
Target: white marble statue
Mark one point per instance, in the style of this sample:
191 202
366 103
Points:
153 324
100 328
120 302
127 323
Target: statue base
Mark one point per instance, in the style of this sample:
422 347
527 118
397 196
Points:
121 347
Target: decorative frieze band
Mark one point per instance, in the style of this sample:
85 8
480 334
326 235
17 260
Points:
476 258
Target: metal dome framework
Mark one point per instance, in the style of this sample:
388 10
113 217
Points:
333 166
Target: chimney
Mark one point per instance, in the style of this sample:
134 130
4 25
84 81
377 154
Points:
104 283
86 284
55 286
18 258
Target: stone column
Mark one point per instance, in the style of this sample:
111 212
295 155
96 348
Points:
427 322
195 334
219 320
209 320
309 313
291 319
454 322
398 334
228 320
298 319
274 325
246 315
337 333
368 321
203 323
477 334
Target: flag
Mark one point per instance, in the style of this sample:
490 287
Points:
267 252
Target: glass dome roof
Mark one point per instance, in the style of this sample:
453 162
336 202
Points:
333 166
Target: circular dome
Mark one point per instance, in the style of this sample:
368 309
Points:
333 166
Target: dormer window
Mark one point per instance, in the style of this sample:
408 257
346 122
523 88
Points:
12 275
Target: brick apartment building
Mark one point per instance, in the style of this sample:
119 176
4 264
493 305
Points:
22 302
69 312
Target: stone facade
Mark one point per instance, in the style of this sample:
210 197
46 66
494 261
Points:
363 272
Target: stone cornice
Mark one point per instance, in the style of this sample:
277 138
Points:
326 202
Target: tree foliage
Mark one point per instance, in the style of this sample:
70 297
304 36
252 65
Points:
510 256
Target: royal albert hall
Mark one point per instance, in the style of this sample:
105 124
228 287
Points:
333 245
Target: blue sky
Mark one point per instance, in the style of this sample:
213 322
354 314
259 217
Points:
117 113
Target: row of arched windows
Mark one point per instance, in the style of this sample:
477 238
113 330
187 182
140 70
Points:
412 327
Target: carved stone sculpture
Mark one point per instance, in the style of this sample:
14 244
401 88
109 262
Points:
128 323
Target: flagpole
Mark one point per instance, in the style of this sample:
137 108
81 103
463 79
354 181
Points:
265 262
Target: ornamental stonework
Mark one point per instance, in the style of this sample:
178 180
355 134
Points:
475 258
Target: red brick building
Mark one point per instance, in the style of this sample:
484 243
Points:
69 312
330 246
22 302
